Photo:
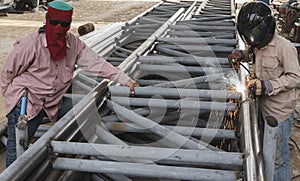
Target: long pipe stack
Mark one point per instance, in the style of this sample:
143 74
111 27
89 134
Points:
181 123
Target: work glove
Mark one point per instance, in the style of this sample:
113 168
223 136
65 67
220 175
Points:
131 84
259 87
238 56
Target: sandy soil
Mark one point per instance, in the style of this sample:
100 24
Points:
98 12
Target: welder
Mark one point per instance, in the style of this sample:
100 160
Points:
276 74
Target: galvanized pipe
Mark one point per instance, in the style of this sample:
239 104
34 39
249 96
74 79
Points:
130 61
192 60
190 33
182 69
180 103
199 48
250 160
193 81
166 133
208 28
174 92
198 41
144 170
180 156
257 142
185 131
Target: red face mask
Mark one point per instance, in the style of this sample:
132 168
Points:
57 25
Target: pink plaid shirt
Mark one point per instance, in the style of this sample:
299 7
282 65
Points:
29 66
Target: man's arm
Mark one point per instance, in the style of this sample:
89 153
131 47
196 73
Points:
91 62
16 63
291 71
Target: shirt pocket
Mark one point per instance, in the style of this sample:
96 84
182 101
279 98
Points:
67 74
270 68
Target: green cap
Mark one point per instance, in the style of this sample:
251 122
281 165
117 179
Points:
60 5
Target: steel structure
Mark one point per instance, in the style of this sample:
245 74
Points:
186 121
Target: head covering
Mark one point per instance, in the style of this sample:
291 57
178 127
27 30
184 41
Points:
58 20
256 24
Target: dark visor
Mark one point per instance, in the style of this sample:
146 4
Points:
256 34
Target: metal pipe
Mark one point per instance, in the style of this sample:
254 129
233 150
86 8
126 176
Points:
192 81
206 133
192 60
174 92
130 61
257 142
144 170
269 146
182 69
180 156
156 128
190 33
209 28
181 103
250 161
198 41
114 118
197 48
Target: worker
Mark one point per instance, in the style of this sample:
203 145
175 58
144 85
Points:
277 74
43 63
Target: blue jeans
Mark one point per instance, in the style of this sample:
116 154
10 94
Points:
12 119
282 160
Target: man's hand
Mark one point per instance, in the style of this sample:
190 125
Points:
236 57
260 87
131 84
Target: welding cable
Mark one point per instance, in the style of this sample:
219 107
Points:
245 68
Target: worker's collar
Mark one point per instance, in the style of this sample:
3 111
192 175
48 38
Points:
45 40
272 42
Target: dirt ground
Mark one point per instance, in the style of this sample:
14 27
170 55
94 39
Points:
98 12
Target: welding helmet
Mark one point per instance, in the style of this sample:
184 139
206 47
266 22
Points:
256 24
